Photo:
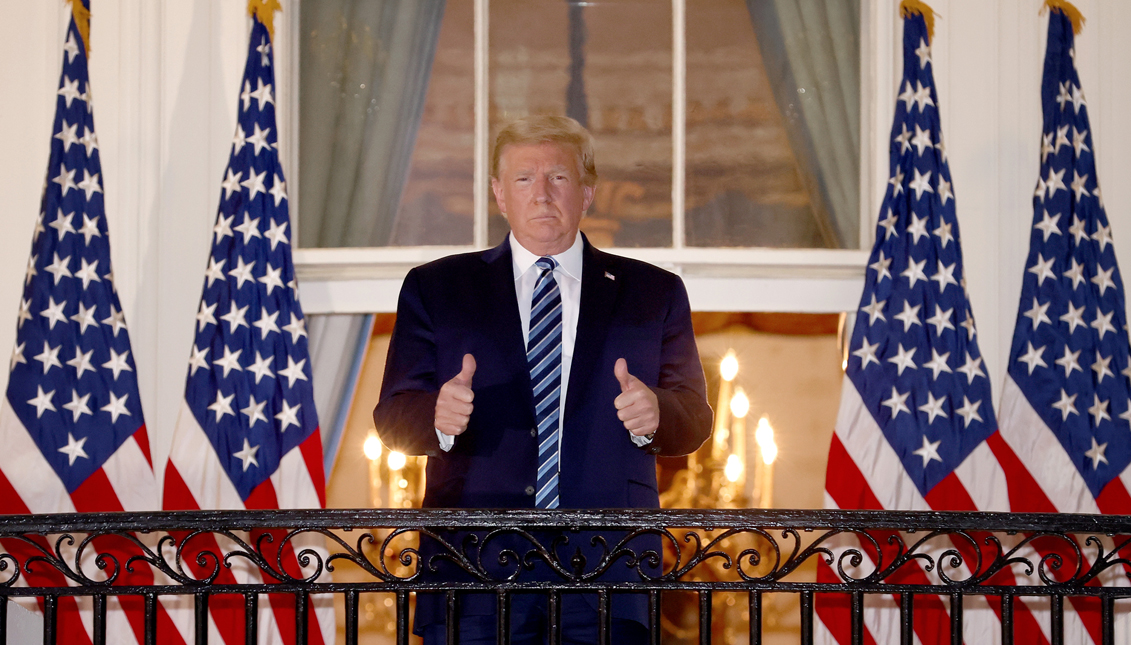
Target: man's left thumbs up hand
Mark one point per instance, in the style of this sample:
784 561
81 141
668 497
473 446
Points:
637 406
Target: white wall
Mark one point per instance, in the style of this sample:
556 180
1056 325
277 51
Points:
165 76
988 60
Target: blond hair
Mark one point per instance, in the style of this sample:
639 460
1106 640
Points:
549 129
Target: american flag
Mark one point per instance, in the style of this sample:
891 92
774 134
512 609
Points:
916 410
1066 406
247 435
71 424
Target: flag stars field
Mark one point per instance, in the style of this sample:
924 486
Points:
249 402
915 299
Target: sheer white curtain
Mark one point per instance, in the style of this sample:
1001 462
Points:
364 71
337 351
365 66
811 52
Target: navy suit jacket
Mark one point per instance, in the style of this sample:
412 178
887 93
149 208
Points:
466 304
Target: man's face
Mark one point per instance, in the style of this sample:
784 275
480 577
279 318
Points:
539 190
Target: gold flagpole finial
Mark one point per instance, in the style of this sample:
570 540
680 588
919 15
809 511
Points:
265 10
908 8
82 22
1069 10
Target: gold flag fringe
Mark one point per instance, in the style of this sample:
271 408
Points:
908 8
82 22
265 10
1069 10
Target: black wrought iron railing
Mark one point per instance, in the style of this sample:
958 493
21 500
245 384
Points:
837 564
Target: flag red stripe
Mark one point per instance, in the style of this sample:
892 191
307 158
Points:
851 489
142 439
227 611
312 455
177 495
834 610
96 495
1025 494
263 497
86 499
951 495
1114 499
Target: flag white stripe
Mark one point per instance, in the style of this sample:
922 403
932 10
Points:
865 444
984 480
131 477
199 466
1045 459
26 469
292 482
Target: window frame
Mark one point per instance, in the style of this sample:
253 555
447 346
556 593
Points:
368 280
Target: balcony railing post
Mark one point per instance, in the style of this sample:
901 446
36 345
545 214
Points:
1007 619
604 618
1107 620
755 618
452 623
857 618
907 618
503 618
99 623
402 618
251 617
150 619
351 617
1056 619
301 604
956 618
50 603
200 617
655 628
704 618
554 617
806 618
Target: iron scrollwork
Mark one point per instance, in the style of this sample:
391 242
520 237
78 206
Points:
404 550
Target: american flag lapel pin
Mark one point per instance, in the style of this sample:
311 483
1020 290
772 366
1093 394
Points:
610 276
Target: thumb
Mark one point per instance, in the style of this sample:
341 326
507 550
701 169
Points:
620 369
468 371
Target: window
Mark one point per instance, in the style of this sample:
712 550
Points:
728 133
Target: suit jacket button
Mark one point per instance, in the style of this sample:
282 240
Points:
534 432
529 490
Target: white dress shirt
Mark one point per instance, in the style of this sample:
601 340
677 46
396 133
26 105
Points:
567 274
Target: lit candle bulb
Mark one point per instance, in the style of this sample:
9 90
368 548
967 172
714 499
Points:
739 408
372 447
764 435
733 469
372 450
728 370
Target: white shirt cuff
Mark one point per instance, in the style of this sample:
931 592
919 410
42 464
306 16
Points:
447 441
641 441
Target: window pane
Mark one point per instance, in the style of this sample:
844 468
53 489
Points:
609 65
773 123
386 130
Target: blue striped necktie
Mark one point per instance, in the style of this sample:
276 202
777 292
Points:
544 356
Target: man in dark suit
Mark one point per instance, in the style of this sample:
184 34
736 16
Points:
542 373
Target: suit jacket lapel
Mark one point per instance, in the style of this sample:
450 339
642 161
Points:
500 314
598 295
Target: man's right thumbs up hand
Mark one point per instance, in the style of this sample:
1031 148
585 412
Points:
453 406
